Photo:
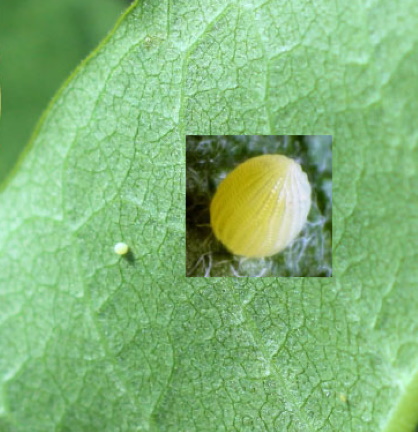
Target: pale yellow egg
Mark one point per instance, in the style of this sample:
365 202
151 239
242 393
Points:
261 206
121 248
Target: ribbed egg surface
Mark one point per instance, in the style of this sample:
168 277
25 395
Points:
261 206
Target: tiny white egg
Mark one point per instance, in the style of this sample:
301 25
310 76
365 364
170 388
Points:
121 248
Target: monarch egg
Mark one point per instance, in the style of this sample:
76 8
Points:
261 206
121 248
342 397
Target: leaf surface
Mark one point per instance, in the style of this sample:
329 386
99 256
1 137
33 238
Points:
90 341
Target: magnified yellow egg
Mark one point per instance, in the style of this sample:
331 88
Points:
261 206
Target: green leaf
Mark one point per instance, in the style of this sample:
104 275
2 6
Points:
91 341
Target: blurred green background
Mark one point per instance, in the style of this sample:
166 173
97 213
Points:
41 42
209 158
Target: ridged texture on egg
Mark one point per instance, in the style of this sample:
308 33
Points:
261 206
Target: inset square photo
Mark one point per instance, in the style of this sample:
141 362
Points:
259 206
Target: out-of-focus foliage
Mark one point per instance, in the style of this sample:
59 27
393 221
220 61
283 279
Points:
210 158
41 42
